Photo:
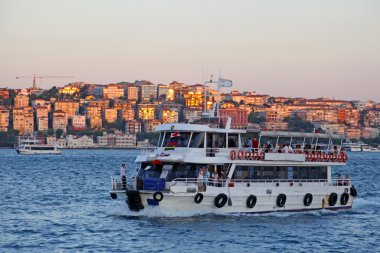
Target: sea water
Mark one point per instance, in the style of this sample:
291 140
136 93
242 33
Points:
61 203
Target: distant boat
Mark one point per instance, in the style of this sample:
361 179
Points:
31 146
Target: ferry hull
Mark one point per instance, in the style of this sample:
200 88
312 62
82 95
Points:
185 202
32 152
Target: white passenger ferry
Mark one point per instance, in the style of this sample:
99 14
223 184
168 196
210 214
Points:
31 146
263 176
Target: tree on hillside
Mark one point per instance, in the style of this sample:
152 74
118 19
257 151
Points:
255 117
298 125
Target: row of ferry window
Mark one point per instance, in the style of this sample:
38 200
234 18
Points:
173 171
279 172
196 140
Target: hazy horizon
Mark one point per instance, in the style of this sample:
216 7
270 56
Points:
280 48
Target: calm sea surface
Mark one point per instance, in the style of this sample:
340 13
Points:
62 204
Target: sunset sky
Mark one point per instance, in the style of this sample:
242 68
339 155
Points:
281 48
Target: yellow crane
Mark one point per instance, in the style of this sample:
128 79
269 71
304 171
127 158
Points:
35 76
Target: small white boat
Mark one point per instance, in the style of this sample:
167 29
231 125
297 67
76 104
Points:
31 146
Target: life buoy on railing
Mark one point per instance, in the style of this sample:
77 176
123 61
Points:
240 154
261 156
247 155
333 158
255 155
339 158
233 155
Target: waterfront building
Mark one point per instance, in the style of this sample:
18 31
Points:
71 108
148 91
110 115
41 103
69 89
59 120
132 127
4 119
79 122
94 114
42 123
21 100
112 91
23 119
150 125
146 111
372 118
330 128
352 133
254 99
42 111
79 142
275 126
132 92
117 140
191 113
4 93
370 132
169 115
162 91
239 117
103 104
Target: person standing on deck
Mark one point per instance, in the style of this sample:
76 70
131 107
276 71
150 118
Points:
250 145
206 175
122 176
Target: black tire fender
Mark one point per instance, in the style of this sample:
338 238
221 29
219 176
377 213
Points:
251 201
308 199
198 198
220 200
333 198
158 196
344 198
281 200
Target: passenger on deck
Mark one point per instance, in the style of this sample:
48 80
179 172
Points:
206 176
335 152
200 180
250 144
122 176
215 177
339 180
347 181
255 144
298 149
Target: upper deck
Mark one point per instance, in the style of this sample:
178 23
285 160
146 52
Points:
189 143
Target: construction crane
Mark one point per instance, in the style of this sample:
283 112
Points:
35 76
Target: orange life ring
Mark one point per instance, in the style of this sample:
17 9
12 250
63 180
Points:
233 154
247 155
240 154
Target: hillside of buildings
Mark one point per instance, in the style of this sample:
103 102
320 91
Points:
122 114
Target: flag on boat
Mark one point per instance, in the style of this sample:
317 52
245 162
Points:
175 134
224 82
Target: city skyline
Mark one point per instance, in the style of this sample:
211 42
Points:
292 49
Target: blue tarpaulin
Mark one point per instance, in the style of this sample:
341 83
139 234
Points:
154 184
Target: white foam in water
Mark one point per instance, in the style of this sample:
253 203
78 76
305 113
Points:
360 203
